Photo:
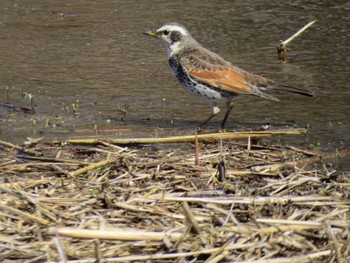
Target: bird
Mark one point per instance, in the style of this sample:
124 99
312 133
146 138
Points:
208 75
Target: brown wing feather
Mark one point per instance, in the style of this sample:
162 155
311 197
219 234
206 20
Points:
226 79
213 70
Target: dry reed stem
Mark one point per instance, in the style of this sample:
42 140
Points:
300 259
92 167
298 33
193 222
297 200
189 138
115 234
126 204
172 255
25 215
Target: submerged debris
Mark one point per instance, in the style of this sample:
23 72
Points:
103 202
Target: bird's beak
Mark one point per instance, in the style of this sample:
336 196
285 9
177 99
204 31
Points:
151 33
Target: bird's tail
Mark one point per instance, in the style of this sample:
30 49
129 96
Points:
266 85
300 91
270 85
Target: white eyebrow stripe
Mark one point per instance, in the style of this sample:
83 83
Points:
182 30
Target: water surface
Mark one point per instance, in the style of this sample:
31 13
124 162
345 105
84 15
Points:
86 62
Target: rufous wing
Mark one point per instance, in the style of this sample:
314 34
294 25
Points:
226 79
221 75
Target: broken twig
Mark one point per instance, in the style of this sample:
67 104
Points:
282 47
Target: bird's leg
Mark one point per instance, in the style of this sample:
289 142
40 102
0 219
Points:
229 109
216 110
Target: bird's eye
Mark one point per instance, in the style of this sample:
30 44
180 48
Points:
166 32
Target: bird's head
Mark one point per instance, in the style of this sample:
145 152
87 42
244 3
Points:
175 36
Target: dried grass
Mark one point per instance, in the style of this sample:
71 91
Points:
99 202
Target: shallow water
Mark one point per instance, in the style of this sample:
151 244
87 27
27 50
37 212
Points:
92 57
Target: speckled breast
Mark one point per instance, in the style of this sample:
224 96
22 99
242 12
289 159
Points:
196 87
